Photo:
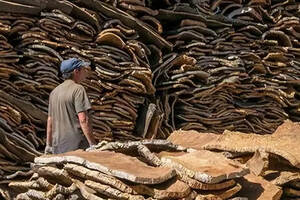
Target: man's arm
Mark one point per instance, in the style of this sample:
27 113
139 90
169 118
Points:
85 121
49 149
49 132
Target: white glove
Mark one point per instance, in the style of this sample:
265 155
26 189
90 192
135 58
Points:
48 150
92 147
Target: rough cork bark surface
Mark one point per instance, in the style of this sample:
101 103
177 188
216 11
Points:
105 161
206 166
191 139
172 189
255 187
286 146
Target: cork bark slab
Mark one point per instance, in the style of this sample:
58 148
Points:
295 184
219 195
55 175
61 190
171 189
285 177
114 164
286 146
191 196
111 192
39 184
288 128
191 139
292 192
97 176
259 163
205 166
257 188
5 192
86 192
205 186
32 194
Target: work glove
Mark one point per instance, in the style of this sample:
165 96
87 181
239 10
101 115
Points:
48 150
92 147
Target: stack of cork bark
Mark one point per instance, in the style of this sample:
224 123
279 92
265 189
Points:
189 165
136 173
234 65
117 87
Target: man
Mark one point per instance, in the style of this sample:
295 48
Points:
68 113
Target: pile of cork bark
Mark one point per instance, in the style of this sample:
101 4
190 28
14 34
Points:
158 66
189 165
275 158
105 174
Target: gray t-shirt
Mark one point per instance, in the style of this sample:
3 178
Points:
65 102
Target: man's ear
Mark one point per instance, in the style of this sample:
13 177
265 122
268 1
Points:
76 70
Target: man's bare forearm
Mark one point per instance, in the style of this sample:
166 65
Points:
49 132
86 126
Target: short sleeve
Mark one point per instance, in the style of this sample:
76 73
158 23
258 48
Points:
81 101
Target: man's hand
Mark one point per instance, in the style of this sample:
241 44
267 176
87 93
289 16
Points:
48 150
91 148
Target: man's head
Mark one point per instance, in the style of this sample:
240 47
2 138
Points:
75 69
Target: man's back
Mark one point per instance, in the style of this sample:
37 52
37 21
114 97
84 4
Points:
66 101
